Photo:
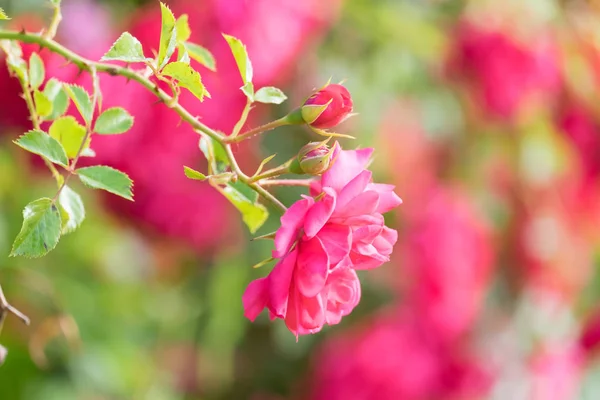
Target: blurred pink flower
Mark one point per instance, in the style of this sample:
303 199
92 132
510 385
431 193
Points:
448 256
321 242
506 72
391 358
556 373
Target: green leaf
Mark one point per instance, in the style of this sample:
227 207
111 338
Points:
72 209
182 27
168 36
193 174
241 57
113 121
43 105
37 72
184 57
248 90
187 77
3 15
107 178
270 94
40 231
201 55
14 60
60 101
127 49
38 142
69 133
215 155
82 101
253 213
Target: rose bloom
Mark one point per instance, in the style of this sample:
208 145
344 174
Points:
321 242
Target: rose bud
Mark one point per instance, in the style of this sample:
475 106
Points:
315 158
327 107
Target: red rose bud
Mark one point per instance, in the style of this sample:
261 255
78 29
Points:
328 107
315 158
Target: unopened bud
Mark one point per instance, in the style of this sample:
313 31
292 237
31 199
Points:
315 158
327 107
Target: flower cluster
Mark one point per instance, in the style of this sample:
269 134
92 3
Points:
322 241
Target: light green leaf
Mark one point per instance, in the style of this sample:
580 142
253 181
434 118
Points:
202 55
127 49
248 90
40 231
60 101
43 105
14 60
184 57
107 178
81 99
3 15
215 155
37 72
38 142
168 36
270 94
113 121
253 213
187 77
183 29
69 133
241 57
72 209
193 174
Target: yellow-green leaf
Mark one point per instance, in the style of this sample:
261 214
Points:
113 121
168 36
107 178
72 209
43 105
3 15
193 174
37 72
60 101
183 29
241 57
201 55
127 49
69 133
82 101
187 77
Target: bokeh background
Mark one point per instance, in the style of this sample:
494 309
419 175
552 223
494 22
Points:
485 116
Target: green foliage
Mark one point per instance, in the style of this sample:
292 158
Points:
187 78
168 36
82 101
193 174
43 105
72 209
40 231
53 90
127 49
37 72
113 121
182 27
3 15
38 142
107 178
201 55
241 57
69 133
14 59
270 94
244 198
248 90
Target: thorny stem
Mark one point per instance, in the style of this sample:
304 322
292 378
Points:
258 130
286 182
35 120
282 169
88 131
56 19
114 70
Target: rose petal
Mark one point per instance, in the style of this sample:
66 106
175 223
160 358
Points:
347 165
312 267
355 187
337 241
280 280
255 298
388 200
291 221
364 204
319 213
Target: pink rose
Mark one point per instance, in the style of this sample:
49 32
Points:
320 242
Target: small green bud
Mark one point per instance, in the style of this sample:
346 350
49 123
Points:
315 158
